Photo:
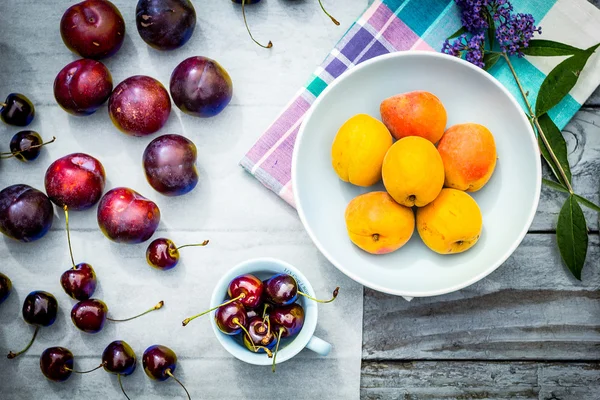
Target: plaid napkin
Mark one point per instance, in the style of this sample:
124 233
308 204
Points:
395 25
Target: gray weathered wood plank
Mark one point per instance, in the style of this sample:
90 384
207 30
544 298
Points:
530 308
480 380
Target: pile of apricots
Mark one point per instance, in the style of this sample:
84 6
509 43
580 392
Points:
427 172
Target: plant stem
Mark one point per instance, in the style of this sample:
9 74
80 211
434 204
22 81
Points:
533 117
192 245
69 234
85 372
121 385
168 372
156 307
190 319
12 355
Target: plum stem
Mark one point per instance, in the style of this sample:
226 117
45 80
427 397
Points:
335 21
66 208
276 349
16 153
237 322
168 372
85 372
190 319
335 293
158 306
269 45
193 245
12 355
121 385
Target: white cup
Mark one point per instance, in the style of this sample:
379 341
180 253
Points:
263 268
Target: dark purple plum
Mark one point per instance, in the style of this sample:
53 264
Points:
243 3
56 363
170 165
165 24
125 216
26 145
163 254
5 287
93 29
76 181
160 363
139 106
201 87
25 213
82 86
17 110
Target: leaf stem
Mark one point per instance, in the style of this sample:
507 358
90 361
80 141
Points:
533 117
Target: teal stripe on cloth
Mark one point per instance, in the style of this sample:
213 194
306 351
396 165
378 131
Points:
418 15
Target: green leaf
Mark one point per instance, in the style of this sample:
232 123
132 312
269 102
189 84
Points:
557 143
587 203
459 32
549 48
555 185
572 236
490 59
491 32
561 80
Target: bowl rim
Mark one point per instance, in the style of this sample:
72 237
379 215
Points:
409 54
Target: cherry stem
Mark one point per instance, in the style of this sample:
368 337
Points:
156 307
266 349
237 322
85 372
121 385
335 21
3 104
69 234
190 319
264 315
269 45
16 153
276 349
193 245
168 372
12 355
335 293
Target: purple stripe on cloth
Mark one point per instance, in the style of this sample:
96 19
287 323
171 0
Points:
279 163
399 35
380 17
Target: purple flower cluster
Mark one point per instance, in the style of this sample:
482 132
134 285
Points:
513 31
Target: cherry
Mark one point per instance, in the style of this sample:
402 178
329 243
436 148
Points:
160 363
165 24
39 309
139 106
119 358
170 165
82 86
90 315
259 335
25 146
287 321
80 281
282 289
76 180
163 254
5 287
231 318
125 216
25 213
244 290
56 364
243 3
200 87
17 110
93 29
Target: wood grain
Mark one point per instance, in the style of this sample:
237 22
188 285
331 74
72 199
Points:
480 380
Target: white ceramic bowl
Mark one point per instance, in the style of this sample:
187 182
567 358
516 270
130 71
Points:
264 268
508 202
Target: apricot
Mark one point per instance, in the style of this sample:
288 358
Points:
469 155
377 224
415 113
451 223
413 172
359 148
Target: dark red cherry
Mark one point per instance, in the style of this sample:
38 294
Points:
26 146
165 24
17 110
119 358
39 309
163 254
231 318
260 338
79 282
160 363
287 319
248 289
5 287
25 213
282 290
89 315
93 29
56 363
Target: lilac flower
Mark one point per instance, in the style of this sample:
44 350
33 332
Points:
515 32
473 14
472 48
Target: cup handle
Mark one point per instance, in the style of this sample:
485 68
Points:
319 346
